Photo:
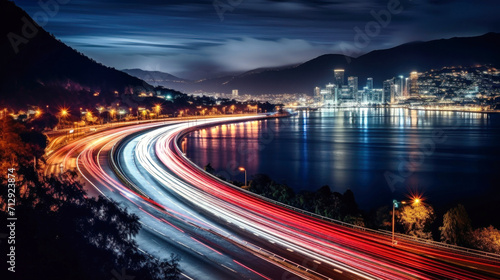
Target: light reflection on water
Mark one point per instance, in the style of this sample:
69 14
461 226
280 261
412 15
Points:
354 148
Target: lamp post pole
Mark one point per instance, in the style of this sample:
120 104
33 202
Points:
393 209
395 204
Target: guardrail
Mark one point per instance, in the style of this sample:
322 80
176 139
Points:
464 250
117 169
421 241
429 243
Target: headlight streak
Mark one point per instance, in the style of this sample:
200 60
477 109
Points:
88 164
365 251
238 216
366 255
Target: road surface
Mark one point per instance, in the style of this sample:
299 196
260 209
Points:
223 232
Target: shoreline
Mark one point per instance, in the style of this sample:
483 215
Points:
455 110
406 107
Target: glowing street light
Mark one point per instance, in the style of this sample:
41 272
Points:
62 114
157 110
242 169
395 204
100 109
121 113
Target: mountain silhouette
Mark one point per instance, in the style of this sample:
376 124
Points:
379 64
38 69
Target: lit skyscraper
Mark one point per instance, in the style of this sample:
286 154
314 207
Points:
399 86
406 91
352 82
339 77
317 92
388 91
369 83
413 84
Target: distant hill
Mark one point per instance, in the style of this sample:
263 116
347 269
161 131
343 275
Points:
157 78
380 64
38 69
423 56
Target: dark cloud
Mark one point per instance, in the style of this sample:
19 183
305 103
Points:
188 38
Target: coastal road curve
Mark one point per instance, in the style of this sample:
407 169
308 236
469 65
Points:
203 254
223 232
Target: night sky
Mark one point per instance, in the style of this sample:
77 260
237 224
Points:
191 40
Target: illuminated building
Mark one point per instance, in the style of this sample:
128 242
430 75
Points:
413 84
369 84
339 77
388 91
317 92
353 87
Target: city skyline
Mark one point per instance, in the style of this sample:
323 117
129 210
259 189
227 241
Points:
446 88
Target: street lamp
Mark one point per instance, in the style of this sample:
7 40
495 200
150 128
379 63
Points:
395 204
62 114
120 113
100 109
88 118
242 169
157 110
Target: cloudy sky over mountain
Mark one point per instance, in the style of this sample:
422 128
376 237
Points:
195 39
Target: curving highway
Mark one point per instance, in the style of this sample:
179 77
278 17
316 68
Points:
223 232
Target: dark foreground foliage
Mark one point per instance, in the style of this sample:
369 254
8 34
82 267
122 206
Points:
60 233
